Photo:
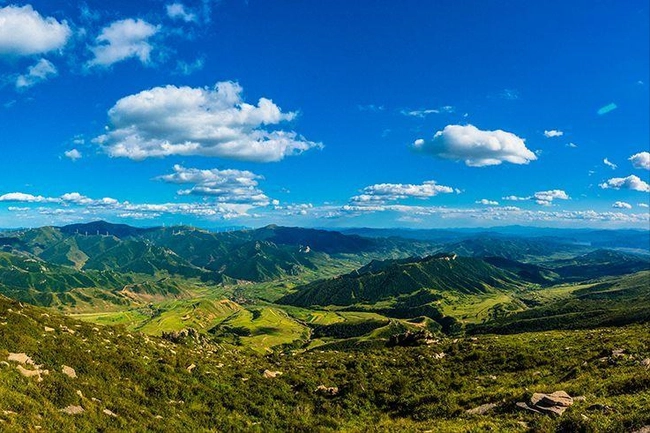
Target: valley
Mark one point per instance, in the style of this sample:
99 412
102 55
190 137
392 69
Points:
325 308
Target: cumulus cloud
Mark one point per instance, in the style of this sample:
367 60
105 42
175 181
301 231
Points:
178 11
228 186
544 198
213 122
73 154
385 192
487 202
641 160
631 182
622 205
608 163
24 32
553 133
122 40
41 71
475 147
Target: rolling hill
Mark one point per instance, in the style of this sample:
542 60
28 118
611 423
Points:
386 280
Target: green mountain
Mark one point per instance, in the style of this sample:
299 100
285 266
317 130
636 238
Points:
103 228
525 271
600 263
35 281
520 249
613 301
143 257
386 280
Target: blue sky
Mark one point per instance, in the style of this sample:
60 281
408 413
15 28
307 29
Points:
327 114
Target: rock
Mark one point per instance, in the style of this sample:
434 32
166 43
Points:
523 405
80 394
110 413
580 398
617 353
558 398
38 373
48 329
482 409
644 429
21 358
183 336
73 410
327 390
191 367
69 371
553 404
646 363
271 374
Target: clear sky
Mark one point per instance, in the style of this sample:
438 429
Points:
333 113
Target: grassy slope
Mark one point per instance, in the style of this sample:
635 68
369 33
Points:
146 383
609 301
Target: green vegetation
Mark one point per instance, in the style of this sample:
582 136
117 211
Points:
287 329
127 381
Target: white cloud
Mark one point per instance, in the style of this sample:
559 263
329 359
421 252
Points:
178 11
622 205
385 192
645 205
24 32
487 202
553 133
293 209
122 40
515 198
573 145
73 154
501 215
631 182
41 71
641 160
544 198
475 147
228 186
608 163
214 122
76 203
20 197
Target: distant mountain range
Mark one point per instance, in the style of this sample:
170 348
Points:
76 264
